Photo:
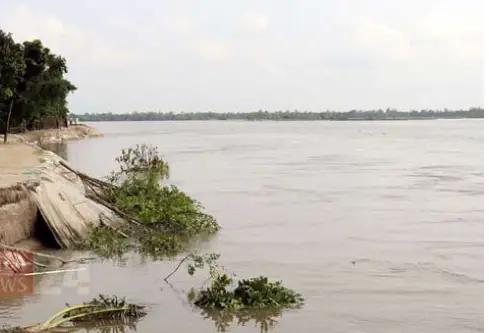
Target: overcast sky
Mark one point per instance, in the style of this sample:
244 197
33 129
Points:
245 55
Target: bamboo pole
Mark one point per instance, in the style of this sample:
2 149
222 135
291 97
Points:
63 261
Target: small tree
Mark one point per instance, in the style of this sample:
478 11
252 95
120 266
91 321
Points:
12 67
8 95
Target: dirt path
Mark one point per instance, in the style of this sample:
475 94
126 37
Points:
17 162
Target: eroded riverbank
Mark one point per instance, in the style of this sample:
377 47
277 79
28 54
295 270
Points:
22 162
23 152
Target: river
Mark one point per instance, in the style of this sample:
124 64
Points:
378 224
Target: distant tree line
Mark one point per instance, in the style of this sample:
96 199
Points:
388 114
32 83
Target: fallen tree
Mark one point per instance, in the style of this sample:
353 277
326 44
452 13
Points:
161 221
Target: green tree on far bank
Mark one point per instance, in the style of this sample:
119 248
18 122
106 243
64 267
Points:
32 83
388 114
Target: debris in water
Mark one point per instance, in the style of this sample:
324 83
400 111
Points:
99 309
249 294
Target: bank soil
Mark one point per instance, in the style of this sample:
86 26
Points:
22 164
73 132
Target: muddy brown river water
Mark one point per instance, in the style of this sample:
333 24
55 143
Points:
378 224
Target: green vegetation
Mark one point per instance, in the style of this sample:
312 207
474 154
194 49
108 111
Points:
99 309
163 221
247 296
254 293
103 308
389 114
32 83
255 299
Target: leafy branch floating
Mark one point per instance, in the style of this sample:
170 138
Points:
253 293
101 308
249 294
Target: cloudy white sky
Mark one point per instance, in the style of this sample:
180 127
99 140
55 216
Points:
244 55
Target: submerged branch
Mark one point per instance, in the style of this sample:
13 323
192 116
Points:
107 224
86 177
178 266
63 261
113 208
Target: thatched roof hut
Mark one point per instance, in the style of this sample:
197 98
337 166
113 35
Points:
55 208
